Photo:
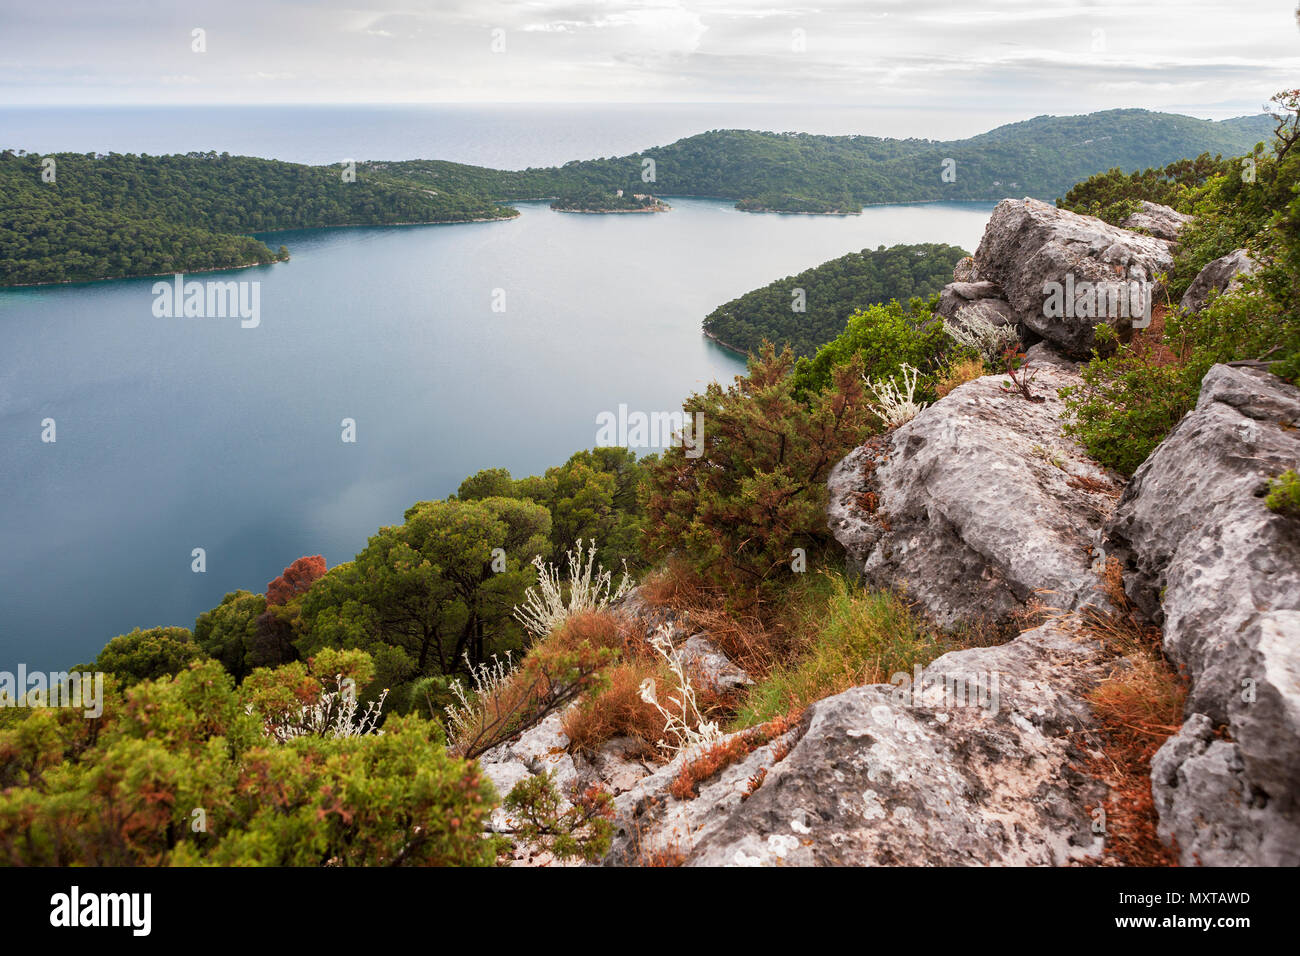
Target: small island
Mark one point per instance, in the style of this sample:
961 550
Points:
595 201
804 205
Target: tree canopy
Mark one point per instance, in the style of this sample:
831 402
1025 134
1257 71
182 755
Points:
807 310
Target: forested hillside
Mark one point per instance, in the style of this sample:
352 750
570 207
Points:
90 217
807 310
801 172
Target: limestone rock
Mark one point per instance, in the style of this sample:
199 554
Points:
1223 275
1204 802
964 270
540 749
618 766
1029 244
956 296
704 661
977 504
1157 220
930 773
1206 558
964 302
709 666
651 823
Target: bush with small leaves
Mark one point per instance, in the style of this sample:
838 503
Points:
179 772
1284 494
579 828
145 655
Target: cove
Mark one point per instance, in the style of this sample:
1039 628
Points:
178 433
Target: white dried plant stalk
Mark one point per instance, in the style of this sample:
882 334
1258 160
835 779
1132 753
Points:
545 608
688 728
896 405
978 333
335 715
489 678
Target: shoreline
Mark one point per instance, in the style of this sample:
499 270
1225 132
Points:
797 212
866 206
145 275
726 345
609 212
249 265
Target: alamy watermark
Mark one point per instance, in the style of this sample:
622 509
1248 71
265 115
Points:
650 430
129 910
53 689
976 689
209 300
1119 299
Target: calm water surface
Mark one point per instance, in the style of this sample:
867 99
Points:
174 434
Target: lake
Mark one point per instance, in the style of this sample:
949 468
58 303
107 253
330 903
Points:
181 433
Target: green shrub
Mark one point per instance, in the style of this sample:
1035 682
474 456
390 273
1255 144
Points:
1129 400
854 637
147 654
179 772
1284 494
882 338
1114 195
753 488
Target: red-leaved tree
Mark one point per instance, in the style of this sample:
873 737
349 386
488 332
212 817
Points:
297 578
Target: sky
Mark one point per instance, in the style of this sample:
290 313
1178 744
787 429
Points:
1210 59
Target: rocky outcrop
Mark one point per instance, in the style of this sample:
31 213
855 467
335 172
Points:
620 764
962 302
979 504
975 764
706 663
710 667
965 270
1064 274
1223 275
1205 558
1157 220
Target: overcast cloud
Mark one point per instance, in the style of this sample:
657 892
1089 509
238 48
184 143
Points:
1210 59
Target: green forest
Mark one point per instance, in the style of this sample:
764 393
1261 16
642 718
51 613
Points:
91 216
802 172
83 217
598 200
807 310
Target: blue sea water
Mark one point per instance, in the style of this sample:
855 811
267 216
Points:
183 433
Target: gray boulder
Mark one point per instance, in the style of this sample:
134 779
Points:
1064 274
1206 558
1157 220
1223 275
964 270
927 772
977 505
962 302
709 666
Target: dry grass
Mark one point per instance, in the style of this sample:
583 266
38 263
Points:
1139 706
557 670
614 708
1149 344
1093 485
668 854
756 638
596 629
958 374
617 710
720 756
848 636
665 856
